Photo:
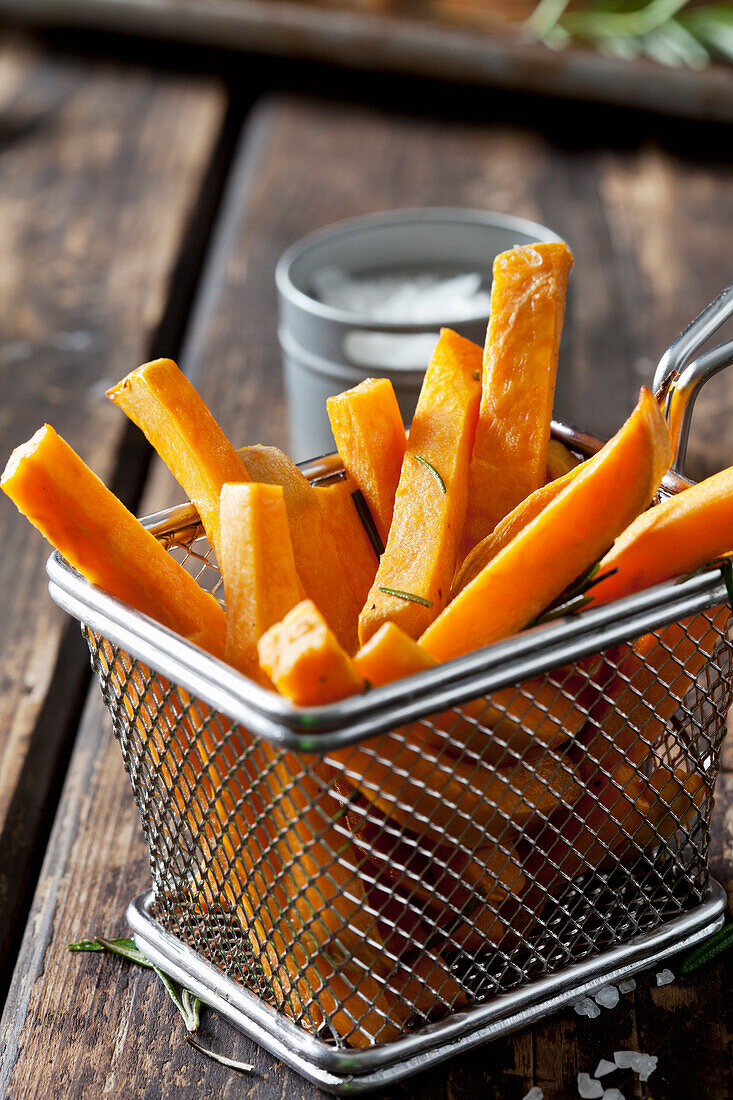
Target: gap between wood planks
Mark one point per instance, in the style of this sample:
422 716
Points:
32 809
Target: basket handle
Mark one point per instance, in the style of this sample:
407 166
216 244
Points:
682 394
688 343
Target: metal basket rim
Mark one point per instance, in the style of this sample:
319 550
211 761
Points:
352 1071
325 728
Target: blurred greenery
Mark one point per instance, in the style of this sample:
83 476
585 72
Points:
673 32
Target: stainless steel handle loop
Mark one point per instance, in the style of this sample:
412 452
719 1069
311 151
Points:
683 394
689 342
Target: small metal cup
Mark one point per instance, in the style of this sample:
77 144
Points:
322 351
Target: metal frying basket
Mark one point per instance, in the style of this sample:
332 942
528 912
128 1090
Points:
370 887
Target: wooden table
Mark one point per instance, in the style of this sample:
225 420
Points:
141 213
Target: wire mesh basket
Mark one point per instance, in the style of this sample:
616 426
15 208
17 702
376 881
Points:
368 887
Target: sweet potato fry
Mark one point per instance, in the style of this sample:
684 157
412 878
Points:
354 549
260 581
70 506
167 408
560 460
620 819
297 884
562 541
505 531
324 576
370 437
509 459
415 573
446 798
304 660
537 711
654 676
273 852
389 655
673 538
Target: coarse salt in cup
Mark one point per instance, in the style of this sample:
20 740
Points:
367 298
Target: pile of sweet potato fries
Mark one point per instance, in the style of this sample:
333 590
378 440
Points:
449 833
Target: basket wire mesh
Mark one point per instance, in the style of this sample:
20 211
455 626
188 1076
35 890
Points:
369 890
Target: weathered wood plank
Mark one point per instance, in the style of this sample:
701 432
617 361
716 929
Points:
303 165
100 171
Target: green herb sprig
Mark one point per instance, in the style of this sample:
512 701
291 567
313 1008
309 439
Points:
429 466
576 597
672 32
187 1003
411 596
709 949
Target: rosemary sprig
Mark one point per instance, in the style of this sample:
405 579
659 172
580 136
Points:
406 596
122 946
242 1067
433 471
576 597
187 1003
673 32
715 945
368 522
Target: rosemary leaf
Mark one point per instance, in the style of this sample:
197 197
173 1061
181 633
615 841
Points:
672 32
712 25
187 1004
545 16
242 1067
368 522
85 945
126 949
406 596
172 990
433 471
570 607
193 1007
600 577
715 945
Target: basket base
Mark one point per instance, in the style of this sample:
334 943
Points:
345 1072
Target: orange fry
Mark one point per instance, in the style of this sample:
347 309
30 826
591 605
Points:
304 660
367 425
563 540
260 581
560 460
673 538
413 581
343 524
170 412
71 507
509 527
509 459
324 576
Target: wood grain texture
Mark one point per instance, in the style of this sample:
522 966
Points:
457 41
100 169
81 1027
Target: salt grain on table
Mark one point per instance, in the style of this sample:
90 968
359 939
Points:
612 1094
643 1064
535 1093
589 1088
587 1007
607 996
664 977
604 1067
628 986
